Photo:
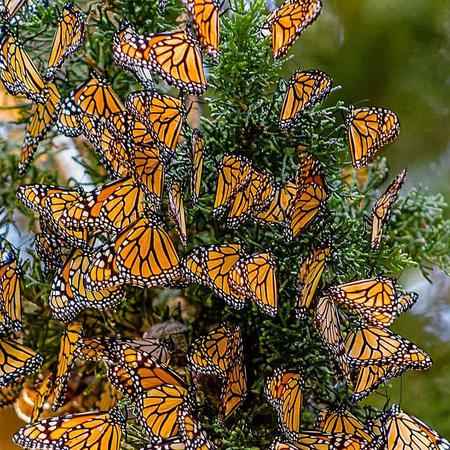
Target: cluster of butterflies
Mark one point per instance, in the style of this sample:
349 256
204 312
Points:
370 354
250 193
337 428
17 360
139 252
95 243
138 372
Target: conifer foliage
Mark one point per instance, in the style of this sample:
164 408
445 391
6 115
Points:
229 277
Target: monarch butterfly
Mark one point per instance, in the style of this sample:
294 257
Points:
317 440
10 298
205 15
94 97
234 390
149 171
42 119
326 320
400 431
69 295
309 169
68 38
278 208
380 346
305 88
381 209
192 435
254 197
9 8
233 175
18 72
405 302
66 358
283 391
288 21
368 129
94 349
220 353
162 114
339 421
88 430
175 204
110 207
142 254
97 98
366 379
51 251
215 352
50 202
197 156
309 276
126 149
254 277
310 198
16 361
159 396
174 55
33 402
106 349
35 196
210 266
374 299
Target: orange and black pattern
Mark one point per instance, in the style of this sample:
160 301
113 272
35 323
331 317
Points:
369 129
173 55
399 430
304 89
89 430
382 208
205 16
289 21
68 38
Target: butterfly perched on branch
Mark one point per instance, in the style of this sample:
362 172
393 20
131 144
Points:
288 22
159 53
220 353
368 129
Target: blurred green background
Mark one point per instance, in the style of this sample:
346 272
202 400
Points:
395 54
